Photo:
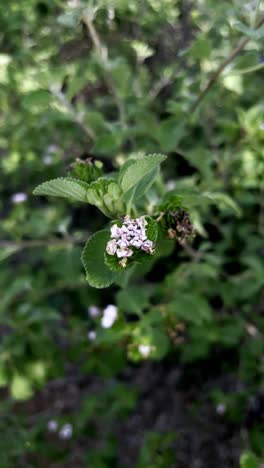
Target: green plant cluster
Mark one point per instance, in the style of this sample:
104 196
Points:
151 110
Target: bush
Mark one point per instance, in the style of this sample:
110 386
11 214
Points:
131 302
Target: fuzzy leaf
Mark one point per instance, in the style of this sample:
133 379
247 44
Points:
190 307
152 229
97 272
139 189
63 187
106 195
135 172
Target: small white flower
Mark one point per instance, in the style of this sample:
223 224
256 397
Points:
47 160
124 252
136 243
65 432
122 243
91 335
115 231
93 311
111 247
52 425
142 222
19 197
221 408
110 315
52 149
171 184
145 350
147 246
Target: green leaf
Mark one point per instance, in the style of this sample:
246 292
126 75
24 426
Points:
108 143
36 99
64 187
200 49
97 273
190 307
135 172
249 460
21 388
249 32
106 195
133 299
7 252
223 201
171 133
138 190
152 229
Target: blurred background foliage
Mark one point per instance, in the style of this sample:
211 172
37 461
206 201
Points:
104 79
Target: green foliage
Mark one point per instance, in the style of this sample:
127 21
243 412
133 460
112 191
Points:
249 460
135 172
65 188
97 273
91 95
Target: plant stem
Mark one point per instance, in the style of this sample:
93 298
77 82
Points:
221 67
102 53
256 14
29 244
72 112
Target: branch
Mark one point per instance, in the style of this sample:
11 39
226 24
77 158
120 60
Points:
29 244
72 112
102 53
221 67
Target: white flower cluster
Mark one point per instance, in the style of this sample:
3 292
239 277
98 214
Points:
132 234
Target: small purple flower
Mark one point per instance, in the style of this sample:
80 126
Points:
66 432
93 311
221 408
124 252
111 247
19 197
52 425
115 231
91 335
47 160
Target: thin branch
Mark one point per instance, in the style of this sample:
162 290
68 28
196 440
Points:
72 112
102 53
221 67
69 286
29 244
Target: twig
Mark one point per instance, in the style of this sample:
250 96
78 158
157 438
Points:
102 53
72 112
195 255
221 67
73 285
29 244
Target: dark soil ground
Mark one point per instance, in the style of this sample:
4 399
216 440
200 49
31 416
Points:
170 398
